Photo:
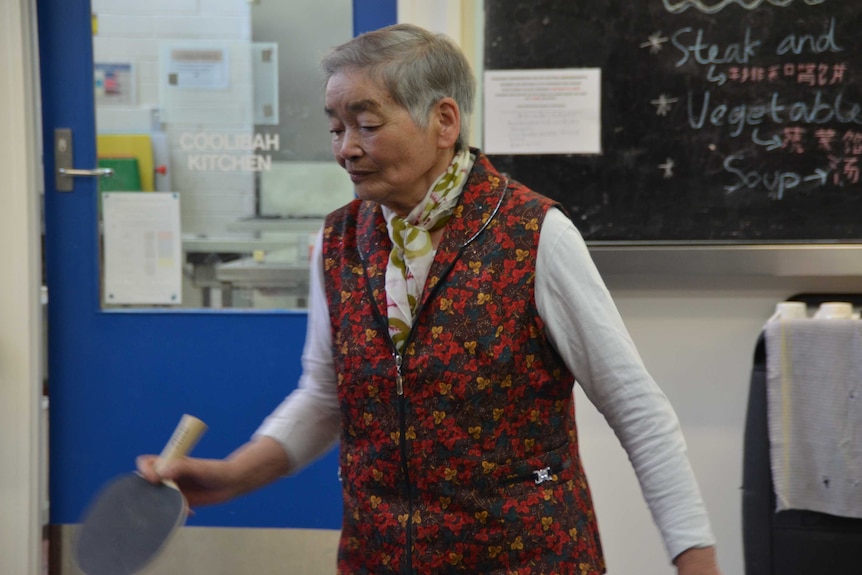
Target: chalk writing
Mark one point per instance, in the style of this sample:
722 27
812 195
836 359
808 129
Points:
655 42
664 104
777 182
719 5
809 44
667 168
709 53
818 110
777 120
808 73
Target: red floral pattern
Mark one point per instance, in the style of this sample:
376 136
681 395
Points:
443 479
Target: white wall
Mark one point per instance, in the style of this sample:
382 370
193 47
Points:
20 322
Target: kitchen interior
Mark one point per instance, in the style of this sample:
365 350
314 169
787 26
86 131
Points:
220 103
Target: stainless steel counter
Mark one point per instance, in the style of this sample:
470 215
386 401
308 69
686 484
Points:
279 270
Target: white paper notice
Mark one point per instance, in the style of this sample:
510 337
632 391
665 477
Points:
198 68
553 111
142 248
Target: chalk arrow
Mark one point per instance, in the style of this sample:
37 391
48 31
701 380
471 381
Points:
772 143
718 77
819 174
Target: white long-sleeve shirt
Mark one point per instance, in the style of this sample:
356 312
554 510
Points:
584 325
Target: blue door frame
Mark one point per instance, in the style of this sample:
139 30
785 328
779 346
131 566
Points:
119 381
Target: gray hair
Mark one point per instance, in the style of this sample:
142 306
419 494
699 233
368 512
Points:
417 67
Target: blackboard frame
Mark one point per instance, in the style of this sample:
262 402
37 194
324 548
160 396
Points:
798 260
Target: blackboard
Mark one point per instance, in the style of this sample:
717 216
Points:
723 121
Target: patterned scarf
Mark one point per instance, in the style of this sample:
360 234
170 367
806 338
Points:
412 250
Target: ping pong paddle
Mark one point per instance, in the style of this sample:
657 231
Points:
130 520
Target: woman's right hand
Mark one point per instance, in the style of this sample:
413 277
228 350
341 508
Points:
202 481
212 481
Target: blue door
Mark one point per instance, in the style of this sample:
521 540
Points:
120 379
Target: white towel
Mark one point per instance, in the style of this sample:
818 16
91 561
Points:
814 392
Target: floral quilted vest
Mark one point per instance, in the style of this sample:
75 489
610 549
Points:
460 454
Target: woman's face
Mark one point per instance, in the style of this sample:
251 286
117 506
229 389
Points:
389 158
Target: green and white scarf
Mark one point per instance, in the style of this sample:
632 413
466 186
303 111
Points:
412 250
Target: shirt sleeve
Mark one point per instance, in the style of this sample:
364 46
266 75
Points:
307 423
584 325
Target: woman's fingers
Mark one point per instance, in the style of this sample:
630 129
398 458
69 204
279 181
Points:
146 465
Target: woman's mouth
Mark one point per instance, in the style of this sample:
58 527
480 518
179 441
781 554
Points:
357 176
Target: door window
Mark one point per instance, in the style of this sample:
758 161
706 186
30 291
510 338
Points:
211 116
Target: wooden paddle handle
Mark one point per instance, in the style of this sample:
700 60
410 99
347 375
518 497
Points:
184 438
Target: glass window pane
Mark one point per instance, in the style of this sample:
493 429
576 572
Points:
218 103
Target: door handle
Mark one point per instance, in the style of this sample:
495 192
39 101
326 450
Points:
96 172
63 160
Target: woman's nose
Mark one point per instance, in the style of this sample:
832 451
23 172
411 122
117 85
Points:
348 146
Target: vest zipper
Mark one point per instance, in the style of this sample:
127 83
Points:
405 469
402 431
399 380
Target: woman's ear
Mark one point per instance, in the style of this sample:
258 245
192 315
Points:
448 117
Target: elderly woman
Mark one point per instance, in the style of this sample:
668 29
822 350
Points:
451 310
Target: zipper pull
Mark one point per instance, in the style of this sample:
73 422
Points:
399 381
